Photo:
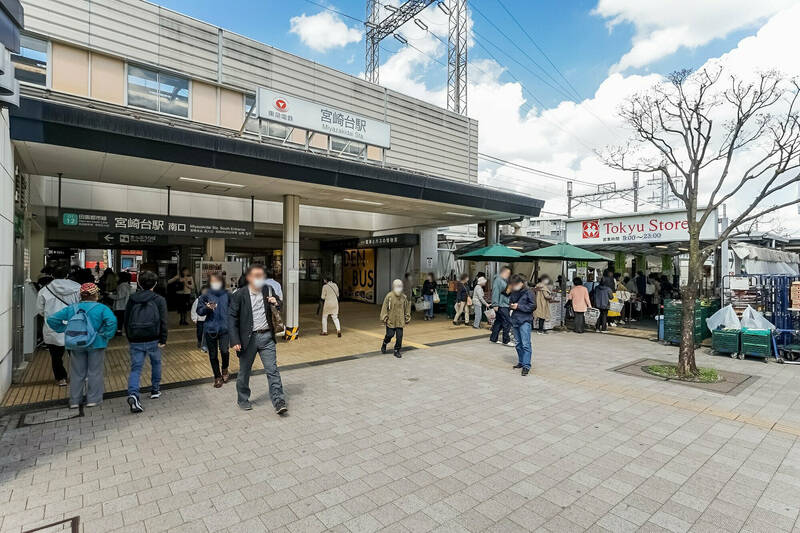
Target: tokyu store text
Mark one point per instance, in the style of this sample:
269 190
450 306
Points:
649 242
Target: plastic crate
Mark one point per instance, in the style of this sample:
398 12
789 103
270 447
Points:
725 340
756 342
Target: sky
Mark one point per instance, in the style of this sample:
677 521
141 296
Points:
547 77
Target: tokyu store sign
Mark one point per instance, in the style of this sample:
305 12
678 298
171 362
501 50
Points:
669 226
293 111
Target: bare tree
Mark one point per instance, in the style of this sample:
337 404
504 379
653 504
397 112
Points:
751 158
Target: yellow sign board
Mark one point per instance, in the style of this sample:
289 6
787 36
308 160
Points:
358 275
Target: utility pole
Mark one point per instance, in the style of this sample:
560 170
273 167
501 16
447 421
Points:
457 58
377 30
569 199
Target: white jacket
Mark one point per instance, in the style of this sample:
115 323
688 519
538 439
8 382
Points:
53 298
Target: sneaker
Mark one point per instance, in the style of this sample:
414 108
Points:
510 344
62 383
498 341
204 349
383 348
155 395
217 383
73 406
517 366
246 406
134 404
525 371
398 354
281 409
91 404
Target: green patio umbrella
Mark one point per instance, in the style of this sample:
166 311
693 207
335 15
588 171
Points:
564 252
493 252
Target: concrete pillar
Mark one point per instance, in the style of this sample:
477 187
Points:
291 260
428 252
215 249
8 290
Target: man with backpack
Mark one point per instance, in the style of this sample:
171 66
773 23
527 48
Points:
146 329
87 327
52 298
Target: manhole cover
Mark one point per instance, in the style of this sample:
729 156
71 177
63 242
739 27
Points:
731 382
47 415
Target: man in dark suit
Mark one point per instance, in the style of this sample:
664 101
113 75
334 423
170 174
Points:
252 332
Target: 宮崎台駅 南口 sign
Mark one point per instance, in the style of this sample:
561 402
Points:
139 223
293 111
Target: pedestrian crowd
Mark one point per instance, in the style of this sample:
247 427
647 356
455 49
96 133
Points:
83 311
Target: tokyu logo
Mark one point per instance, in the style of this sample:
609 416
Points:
591 229
281 104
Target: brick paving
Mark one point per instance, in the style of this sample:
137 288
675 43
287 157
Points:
445 439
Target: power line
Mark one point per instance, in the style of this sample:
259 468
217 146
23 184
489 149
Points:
532 40
499 160
332 10
514 43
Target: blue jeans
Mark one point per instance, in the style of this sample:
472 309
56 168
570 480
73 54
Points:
478 308
522 333
429 311
139 352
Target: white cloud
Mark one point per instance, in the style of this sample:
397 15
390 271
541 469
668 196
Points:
323 31
562 139
661 28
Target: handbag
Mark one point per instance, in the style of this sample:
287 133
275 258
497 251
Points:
469 300
277 320
436 299
569 311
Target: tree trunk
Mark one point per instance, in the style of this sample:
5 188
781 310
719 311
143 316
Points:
686 361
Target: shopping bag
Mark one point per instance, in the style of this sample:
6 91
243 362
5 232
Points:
490 315
436 297
591 315
616 306
422 305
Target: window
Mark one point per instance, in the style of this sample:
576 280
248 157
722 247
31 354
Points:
252 123
158 91
31 62
348 148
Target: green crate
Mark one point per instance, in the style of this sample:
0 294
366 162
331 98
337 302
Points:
757 342
725 340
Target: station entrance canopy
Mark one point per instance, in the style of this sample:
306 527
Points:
658 233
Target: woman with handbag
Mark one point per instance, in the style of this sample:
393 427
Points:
330 305
429 294
479 301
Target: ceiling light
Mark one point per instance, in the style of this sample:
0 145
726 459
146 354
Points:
211 182
661 246
457 214
365 202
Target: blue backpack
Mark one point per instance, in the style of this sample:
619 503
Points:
80 333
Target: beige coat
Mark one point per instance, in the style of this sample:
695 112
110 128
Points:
543 296
330 298
396 310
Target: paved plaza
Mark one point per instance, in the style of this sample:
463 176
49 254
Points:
448 438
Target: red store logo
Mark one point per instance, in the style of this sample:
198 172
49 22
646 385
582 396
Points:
281 104
591 229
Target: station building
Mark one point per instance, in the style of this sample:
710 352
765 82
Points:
145 138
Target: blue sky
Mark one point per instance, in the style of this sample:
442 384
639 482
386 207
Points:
577 41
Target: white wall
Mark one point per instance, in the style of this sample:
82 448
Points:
6 251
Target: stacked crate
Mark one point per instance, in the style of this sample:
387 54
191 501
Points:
673 310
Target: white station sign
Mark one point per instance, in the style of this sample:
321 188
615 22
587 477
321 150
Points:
670 226
293 111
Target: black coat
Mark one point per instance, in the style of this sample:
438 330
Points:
240 315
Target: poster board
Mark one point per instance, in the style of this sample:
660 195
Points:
231 270
358 275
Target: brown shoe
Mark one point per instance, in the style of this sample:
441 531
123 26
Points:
217 383
225 376
323 333
338 333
